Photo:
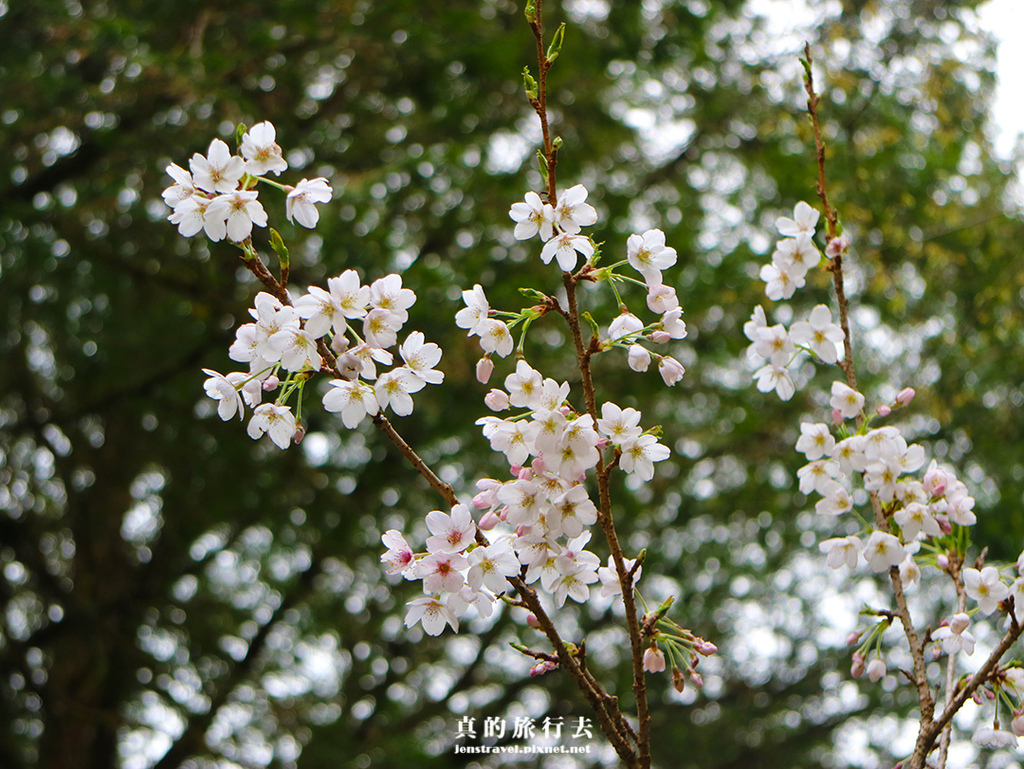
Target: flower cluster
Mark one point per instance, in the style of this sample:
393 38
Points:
919 516
293 341
544 511
560 227
346 330
774 348
216 194
539 520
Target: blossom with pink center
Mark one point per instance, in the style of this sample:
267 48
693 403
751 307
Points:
451 533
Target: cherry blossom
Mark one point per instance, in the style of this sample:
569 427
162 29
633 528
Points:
841 551
819 334
572 212
955 637
276 421
399 555
985 587
225 389
803 222
640 454
219 170
300 205
649 255
353 400
533 217
846 400
261 152
432 614
563 248
882 551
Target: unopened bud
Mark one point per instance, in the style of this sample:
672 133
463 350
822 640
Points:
942 561
857 668
837 417
883 410
705 648
660 337
837 246
484 369
852 639
271 383
300 433
538 670
905 396
678 680
876 670
496 400
532 621
339 344
488 521
1017 724
696 679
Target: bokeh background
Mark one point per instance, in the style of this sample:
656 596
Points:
174 594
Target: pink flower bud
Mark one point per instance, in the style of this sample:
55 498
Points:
905 396
883 410
551 664
705 648
936 652
678 680
942 561
935 480
532 621
271 383
496 400
837 417
837 246
852 639
660 337
977 698
654 660
488 521
876 670
484 369
539 466
538 670
300 433
1017 724
944 525
857 668
696 678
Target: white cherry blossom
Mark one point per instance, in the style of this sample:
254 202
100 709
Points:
219 170
276 421
532 217
300 205
261 152
572 212
803 222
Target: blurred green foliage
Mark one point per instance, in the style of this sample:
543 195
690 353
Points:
174 594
